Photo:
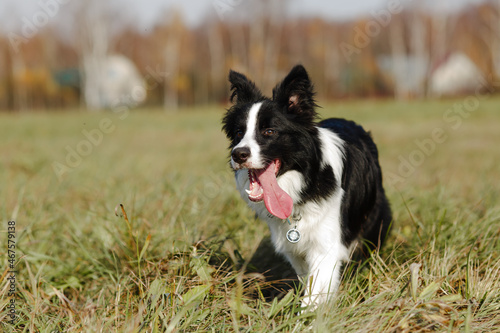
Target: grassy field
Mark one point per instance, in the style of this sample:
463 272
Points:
175 261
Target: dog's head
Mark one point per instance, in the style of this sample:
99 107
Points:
261 129
268 135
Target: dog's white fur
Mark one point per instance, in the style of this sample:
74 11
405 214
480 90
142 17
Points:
255 160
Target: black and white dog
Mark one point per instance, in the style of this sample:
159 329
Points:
317 185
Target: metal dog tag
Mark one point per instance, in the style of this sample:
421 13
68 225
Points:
293 235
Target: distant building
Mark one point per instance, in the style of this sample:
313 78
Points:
112 82
456 74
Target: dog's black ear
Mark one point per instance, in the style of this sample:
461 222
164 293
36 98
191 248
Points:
296 93
242 89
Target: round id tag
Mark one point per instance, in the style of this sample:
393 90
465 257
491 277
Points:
293 235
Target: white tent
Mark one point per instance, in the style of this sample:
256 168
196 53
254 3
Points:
112 82
456 75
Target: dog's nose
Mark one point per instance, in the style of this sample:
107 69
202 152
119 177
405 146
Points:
240 155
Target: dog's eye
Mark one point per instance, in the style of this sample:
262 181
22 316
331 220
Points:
269 132
239 134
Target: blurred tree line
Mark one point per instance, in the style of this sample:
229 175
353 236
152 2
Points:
184 65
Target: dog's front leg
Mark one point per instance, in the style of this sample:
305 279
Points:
323 280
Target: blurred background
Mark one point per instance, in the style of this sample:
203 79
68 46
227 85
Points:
96 55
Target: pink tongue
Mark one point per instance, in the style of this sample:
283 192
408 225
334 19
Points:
277 201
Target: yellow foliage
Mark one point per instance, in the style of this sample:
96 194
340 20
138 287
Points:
182 83
37 79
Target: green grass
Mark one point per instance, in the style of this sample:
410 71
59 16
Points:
176 262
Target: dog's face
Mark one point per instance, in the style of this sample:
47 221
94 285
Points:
262 130
269 137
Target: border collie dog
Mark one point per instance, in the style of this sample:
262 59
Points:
318 185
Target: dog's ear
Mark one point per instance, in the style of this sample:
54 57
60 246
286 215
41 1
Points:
242 89
295 93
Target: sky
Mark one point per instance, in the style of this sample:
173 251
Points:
145 13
